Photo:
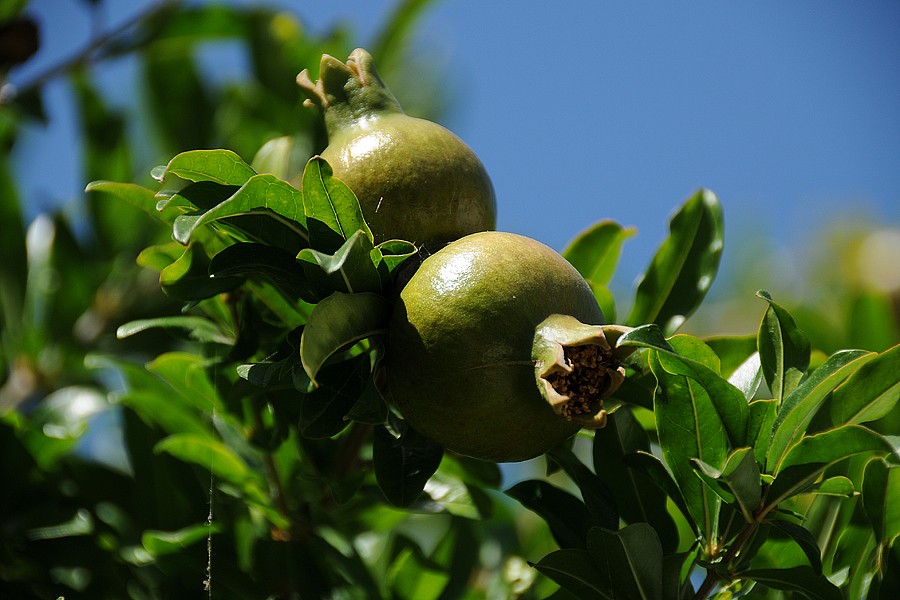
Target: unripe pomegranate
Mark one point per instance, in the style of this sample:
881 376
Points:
463 366
414 179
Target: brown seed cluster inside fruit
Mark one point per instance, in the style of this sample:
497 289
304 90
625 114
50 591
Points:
586 384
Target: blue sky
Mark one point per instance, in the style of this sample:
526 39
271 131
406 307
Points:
585 110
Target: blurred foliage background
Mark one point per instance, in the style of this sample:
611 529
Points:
90 507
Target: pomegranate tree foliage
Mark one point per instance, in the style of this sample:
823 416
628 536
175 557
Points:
239 341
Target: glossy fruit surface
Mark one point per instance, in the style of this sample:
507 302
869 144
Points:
459 359
414 179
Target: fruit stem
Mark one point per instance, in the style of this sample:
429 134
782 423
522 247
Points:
348 93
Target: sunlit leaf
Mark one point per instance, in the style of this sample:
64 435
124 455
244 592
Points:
263 195
798 409
737 482
198 328
834 486
833 445
160 543
684 266
595 253
881 499
689 427
747 377
783 350
219 166
871 392
332 210
338 322
209 454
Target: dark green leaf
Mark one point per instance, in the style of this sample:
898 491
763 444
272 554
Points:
404 464
638 499
323 411
332 210
188 277
279 267
881 500
633 559
803 580
575 571
566 515
804 539
738 482
689 427
350 269
653 467
595 253
783 350
834 445
871 392
338 322
798 409
13 268
199 328
595 494
684 266
260 195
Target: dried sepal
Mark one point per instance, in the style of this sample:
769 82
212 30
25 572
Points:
576 367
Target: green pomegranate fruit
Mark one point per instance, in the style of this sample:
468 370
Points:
414 179
460 363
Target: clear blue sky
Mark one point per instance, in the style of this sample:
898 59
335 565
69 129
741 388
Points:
589 109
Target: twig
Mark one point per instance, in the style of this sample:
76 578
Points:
83 56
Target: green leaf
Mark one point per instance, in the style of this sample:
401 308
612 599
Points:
689 427
870 393
881 500
732 350
338 322
833 445
212 455
278 266
188 277
14 267
653 467
263 195
595 494
803 580
804 539
834 486
747 377
404 464
159 543
798 409
738 482
576 571
186 374
219 166
783 350
135 195
760 422
566 515
199 328
633 559
645 336
637 497
411 578
323 411
595 253
693 359
684 266
350 269
332 210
